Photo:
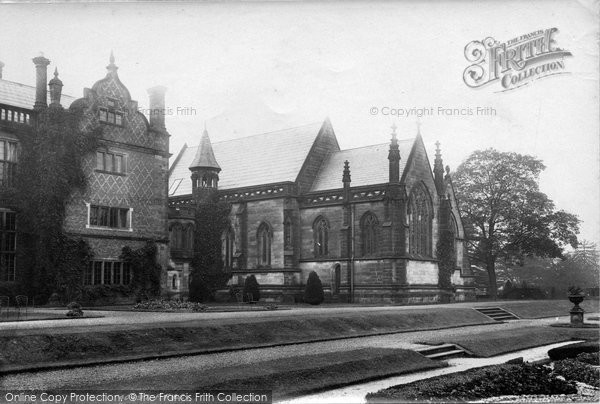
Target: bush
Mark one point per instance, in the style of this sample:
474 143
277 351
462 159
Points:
169 305
479 383
74 310
592 358
251 287
572 369
524 293
10 289
571 351
313 294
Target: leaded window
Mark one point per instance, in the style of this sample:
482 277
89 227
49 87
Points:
264 237
420 216
321 237
369 226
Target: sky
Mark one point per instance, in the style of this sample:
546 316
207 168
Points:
247 68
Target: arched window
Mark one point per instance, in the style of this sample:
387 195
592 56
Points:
321 236
264 244
287 233
369 225
227 245
174 282
189 238
420 215
176 236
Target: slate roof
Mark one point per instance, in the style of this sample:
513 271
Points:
369 165
260 159
205 156
23 96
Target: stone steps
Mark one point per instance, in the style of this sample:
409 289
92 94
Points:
497 313
443 351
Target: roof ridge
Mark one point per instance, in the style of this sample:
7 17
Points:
373 145
270 132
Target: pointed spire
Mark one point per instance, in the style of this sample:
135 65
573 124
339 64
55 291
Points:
394 158
438 169
205 157
346 175
112 68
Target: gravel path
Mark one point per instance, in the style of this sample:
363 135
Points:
113 374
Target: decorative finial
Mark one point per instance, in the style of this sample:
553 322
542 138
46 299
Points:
437 147
112 58
394 127
111 66
418 127
346 174
447 170
56 72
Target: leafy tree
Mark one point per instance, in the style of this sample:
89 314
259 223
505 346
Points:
505 213
50 171
208 272
313 294
251 288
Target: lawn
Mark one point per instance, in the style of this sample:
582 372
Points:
86 345
296 375
547 308
491 343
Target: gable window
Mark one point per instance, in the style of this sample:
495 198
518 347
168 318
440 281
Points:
420 216
369 226
8 163
110 114
110 217
113 163
321 236
227 245
8 246
264 244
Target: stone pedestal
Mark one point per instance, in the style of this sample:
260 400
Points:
576 312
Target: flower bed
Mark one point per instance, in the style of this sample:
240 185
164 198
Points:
170 305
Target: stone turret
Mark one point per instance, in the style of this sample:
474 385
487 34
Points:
205 170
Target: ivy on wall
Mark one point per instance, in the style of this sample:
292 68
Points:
447 258
145 268
50 170
208 274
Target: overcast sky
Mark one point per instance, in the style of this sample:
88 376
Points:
246 68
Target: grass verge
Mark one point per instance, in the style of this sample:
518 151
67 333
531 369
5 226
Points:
547 308
492 343
47 349
296 375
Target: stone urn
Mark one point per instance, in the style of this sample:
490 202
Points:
576 311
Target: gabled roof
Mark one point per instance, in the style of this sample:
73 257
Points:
205 156
23 96
260 159
368 165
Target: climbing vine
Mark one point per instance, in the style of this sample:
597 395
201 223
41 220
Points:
145 268
447 258
50 171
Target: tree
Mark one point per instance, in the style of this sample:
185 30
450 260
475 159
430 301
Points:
505 214
208 273
313 294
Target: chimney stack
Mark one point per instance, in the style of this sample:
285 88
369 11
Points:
1 67
41 78
157 107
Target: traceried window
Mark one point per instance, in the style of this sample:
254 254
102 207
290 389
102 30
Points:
8 246
109 217
321 237
227 246
110 114
369 226
8 163
420 216
107 273
264 237
113 163
287 233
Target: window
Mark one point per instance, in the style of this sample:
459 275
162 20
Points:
420 216
264 244
8 163
8 246
174 282
107 273
110 114
369 225
287 234
321 236
110 162
227 245
111 217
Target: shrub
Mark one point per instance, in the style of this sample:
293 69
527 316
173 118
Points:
74 310
572 369
524 293
592 358
169 305
478 383
10 289
572 350
313 294
251 287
